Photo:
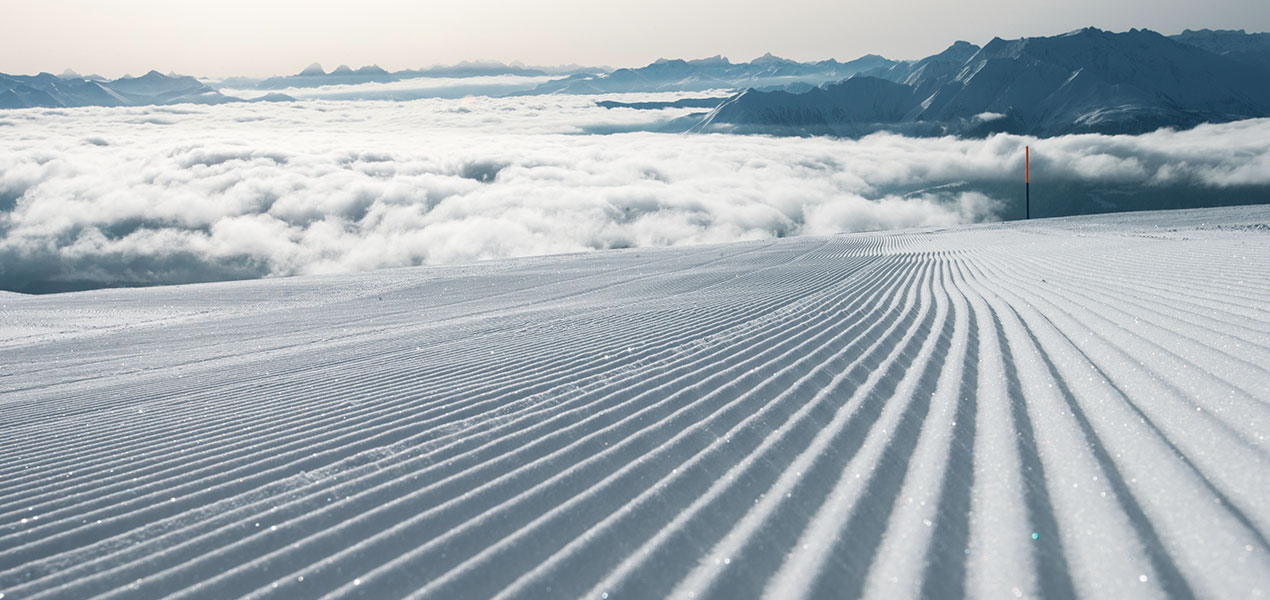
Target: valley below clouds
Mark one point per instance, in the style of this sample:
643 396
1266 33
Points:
94 197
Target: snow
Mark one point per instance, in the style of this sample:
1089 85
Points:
1056 407
1085 81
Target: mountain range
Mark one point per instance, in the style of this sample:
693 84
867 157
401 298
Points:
715 73
1085 81
1252 48
69 89
315 76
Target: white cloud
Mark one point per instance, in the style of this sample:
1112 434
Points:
406 89
175 194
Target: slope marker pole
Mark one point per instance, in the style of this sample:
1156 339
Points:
1027 182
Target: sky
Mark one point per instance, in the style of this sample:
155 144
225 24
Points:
272 37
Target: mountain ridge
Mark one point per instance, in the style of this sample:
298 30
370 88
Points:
1084 81
712 73
46 90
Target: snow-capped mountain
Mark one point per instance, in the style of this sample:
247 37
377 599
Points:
678 75
315 76
1252 48
1084 81
48 90
931 72
855 106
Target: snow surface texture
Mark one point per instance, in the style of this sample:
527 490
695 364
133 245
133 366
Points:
94 197
1045 409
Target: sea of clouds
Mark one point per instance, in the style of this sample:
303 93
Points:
132 196
406 89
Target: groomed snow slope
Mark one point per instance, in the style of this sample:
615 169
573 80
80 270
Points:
1059 408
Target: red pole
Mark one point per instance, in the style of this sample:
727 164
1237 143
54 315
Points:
1027 182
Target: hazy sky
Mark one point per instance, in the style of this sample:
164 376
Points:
267 37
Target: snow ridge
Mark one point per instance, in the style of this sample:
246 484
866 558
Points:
1086 81
1052 408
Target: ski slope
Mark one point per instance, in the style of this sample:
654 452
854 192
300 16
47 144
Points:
1070 407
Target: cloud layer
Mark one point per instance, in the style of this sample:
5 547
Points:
406 89
97 196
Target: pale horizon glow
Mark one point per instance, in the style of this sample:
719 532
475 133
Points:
261 38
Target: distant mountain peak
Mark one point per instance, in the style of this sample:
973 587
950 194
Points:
71 89
1085 81
1236 44
342 70
313 69
960 51
716 60
467 64
1215 31
770 59
1083 31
